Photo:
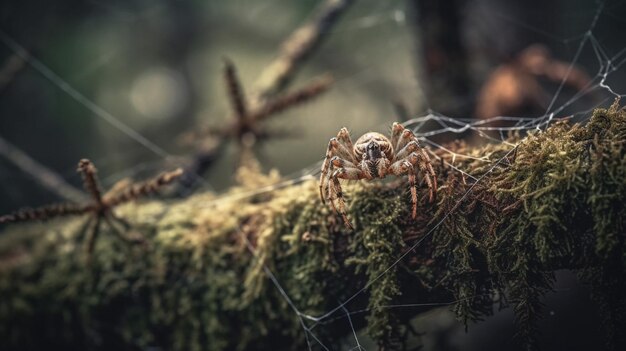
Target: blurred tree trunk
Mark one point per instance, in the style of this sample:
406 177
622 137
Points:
458 49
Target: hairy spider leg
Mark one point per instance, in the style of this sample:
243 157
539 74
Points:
396 131
407 165
344 138
340 146
337 193
407 142
412 146
429 173
344 170
405 137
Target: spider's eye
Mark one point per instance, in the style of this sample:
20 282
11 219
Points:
372 146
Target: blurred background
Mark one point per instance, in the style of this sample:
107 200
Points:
157 67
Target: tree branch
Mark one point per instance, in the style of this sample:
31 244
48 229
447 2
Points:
556 201
296 49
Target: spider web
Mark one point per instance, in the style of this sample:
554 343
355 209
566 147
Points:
587 46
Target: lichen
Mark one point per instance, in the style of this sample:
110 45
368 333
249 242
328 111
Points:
556 201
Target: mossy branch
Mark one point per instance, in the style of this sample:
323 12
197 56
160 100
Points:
556 201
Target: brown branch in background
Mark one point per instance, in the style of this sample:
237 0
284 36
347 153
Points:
100 204
296 48
43 175
281 103
235 91
245 128
100 207
44 213
142 189
248 129
90 181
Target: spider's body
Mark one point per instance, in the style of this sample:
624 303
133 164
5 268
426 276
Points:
374 156
375 152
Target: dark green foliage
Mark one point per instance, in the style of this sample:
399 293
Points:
555 202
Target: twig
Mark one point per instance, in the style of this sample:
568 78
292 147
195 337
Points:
44 213
43 175
296 48
245 128
281 103
235 92
142 189
101 205
90 181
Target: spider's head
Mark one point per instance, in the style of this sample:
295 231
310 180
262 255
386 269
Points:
372 151
372 147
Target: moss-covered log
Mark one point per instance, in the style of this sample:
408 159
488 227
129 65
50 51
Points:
554 202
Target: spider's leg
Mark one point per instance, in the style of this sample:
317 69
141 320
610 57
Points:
396 131
345 170
340 146
406 148
344 138
406 166
405 137
348 167
429 173
325 166
411 172
329 190
412 146
342 204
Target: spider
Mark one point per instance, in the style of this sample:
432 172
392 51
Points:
374 156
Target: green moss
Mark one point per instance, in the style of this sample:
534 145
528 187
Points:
555 202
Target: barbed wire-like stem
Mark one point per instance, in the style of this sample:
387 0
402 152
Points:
296 48
44 213
100 207
235 91
142 189
245 126
90 182
302 95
